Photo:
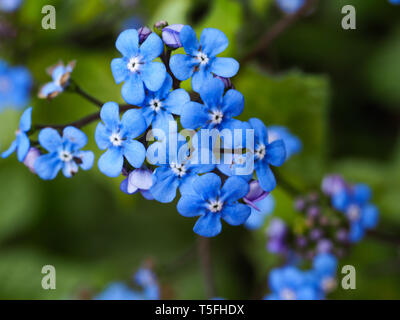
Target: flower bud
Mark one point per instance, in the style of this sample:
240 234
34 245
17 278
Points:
143 32
170 35
30 159
227 82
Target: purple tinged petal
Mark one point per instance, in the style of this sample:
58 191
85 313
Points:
128 43
170 35
225 67
125 187
182 66
256 193
208 225
135 153
213 41
141 179
154 75
151 48
189 40
111 162
119 70
50 139
143 33
133 90
30 159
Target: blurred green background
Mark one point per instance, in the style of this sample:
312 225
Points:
338 90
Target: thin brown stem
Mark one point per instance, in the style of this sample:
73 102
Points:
204 251
75 88
271 34
165 57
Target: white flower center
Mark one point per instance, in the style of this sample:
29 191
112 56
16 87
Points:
328 284
116 139
261 151
65 156
202 57
134 64
216 116
155 104
215 205
353 212
178 169
288 294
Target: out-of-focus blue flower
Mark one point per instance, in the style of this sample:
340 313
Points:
325 266
200 61
60 75
211 203
354 202
117 136
394 2
266 154
21 144
170 35
332 184
15 86
144 278
292 143
290 6
159 106
10 5
291 283
64 153
137 67
139 180
218 109
276 233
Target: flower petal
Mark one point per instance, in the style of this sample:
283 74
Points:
370 216
102 137
109 114
111 162
265 177
189 40
213 41
176 100
141 178
276 153
50 139
211 92
10 150
154 75
152 47
233 103
48 89
23 146
260 130
166 87
135 153
208 225
133 90
128 43
182 66
87 158
234 189
194 115
208 186
164 190
48 166
76 136
132 123
200 78
225 67
236 214
119 70
26 122
191 206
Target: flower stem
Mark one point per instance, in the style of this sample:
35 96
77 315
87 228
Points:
204 251
165 57
74 87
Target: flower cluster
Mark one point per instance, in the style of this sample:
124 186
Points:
15 86
144 278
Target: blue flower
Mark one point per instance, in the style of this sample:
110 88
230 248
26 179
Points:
266 154
15 86
60 75
262 204
292 143
394 2
117 136
64 153
200 61
290 6
139 180
218 109
10 5
159 106
211 203
144 278
290 283
136 67
354 202
21 144
325 266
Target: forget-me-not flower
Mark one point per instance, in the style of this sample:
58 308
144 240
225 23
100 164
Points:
266 154
21 144
64 153
325 266
137 67
211 203
290 6
60 75
117 136
159 106
200 61
10 5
